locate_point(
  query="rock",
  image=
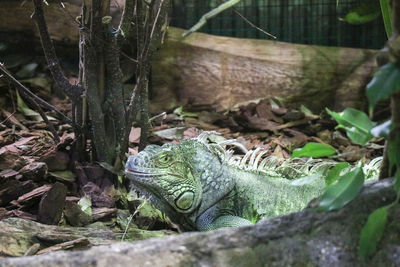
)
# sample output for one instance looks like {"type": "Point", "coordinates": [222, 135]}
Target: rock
{"type": "Point", "coordinates": [52, 204]}
{"type": "Point", "coordinates": [305, 238]}
{"type": "Point", "coordinates": [352, 153]}
{"type": "Point", "coordinates": [339, 140]}
{"type": "Point", "coordinates": [293, 115]}
{"type": "Point", "coordinates": [74, 214]}
{"type": "Point", "coordinates": [99, 199]}
{"type": "Point", "coordinates": [325, 136]}
{"type": "Point", "coordinates": [57, 161]}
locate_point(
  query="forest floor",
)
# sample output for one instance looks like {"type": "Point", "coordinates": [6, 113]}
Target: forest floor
{"type": "Point", "coordinates": [41, 180]}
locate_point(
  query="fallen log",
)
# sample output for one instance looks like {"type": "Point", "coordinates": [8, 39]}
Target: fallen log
{"type": "Point", "coordinates": [223, 72]}
{"type": "Point", "coordinates": [305, 238]}
{"type": "Point", "coordinates": [15, 17]}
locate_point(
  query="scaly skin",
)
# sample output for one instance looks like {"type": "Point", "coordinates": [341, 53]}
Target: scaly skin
{"type": "Point", "coordinates": [197, 189]}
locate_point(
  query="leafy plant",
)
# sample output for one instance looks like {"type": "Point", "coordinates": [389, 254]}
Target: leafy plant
{"type": "Point", "coordinates": [356, 124]}
{"type": "Point", "coordinates": [314, 150]}
{"type": "Point", "coordinates": [346, 189]}
{"type": "Point", "coordinates": [385, 82]}
{"type": "Point", "coordinates": [369, 11]}
{"type": "Point", "coordinates": [372, 232]}
{"type": "Point", "coordinates": [363, 13]}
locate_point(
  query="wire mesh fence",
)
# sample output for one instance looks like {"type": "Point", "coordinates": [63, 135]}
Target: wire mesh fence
{"type": "Point", "coordinates": [298, 21]}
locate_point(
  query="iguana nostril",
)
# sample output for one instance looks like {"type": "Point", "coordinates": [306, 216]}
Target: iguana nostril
{"type": "Point", "coordinates": [185, 200]}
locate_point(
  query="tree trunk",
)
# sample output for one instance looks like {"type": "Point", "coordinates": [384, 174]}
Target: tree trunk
{"type": "Point", "coordinates": [305, 238]}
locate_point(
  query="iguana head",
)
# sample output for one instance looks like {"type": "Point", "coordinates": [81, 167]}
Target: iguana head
{"type": "Point", "coordinates": [168, 175]}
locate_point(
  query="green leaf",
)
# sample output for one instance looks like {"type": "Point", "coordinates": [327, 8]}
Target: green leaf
{"type": "Point", "coordinates": [385, 82]}
{"type": "Point", "coordinates": [387, 16]}
{"type": "Point", "coordinates": [314, 150]}
{"type": "Point", "coordinates": [24, 109]}
{"type": "Point", "coordinates": [382, 130]}
{"type": "Point", "coordinates": [356, 123]}
{"type": "Point", "coordinates": [179, 111]}
{"type": "Point", "coordinates": [363, 13]}
{"type": "Point", "coordinates": [334, 173]}
{"type": "Point", "coordinates": [346, 189]}
{"type": "Point", "coordinates": [86, 204]}
{"type": "Point", "coordinates": [372, 232]}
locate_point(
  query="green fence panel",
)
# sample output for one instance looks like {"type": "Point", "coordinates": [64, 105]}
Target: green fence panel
{"type": "Point", "coordinates": [297, 21]}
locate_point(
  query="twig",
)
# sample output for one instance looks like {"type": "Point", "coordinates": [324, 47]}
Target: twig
{"type": "Point", "coordinates": [203, 20]}
{"type": "Point", "coordinates": [32, 98]}
{"type": "Point", "coordinates": [8, 117]}
{"type": "Point", "coordinates": [73, 91]}
{"type": "Point", "coordinates": [28, 94]}
{"type": "Point", "coordinates": [251, 24]}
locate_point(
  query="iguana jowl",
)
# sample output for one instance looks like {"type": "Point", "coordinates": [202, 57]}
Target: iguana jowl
{"type": "Point", "coordinates": [201, 187]}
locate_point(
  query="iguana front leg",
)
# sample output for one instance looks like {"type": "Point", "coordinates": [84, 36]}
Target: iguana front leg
{"type": "Point", "coordinates": [211, 220]}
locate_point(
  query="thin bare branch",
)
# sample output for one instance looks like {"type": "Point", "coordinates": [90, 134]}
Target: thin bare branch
{"type": "Point", "coordinates": [31, 98]}
{"type": "Point", "coordinates": [252, 24]}
{"type": "Point", "coordinates": [23, 90]}
{"type": "Point", "coordinates": [73, 91]}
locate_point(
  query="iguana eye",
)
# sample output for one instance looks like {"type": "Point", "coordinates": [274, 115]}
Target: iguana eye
{"type": "Point", "coordinates": [164, 158]}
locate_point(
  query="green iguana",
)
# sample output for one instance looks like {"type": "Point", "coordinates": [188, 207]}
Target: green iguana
{"type": "Point", "coordinates": [200, 186]}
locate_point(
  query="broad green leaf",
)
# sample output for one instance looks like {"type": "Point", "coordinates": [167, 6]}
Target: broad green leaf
{"type": "Point", "coordinates": [385, 82]}
{"type": "Point", "coordinates": [24, 109]}
{"type": "Point", "coordinates": [363, 13]}
{"type": "Point", "coordinates": [382, 130]}
{"type": "Point", "coordinates": [314, 150]}
{"type": "Point", "coordinates": [372, 232]}
{"type": "Point", "coordinates": [346, 189]}
{"type": "Point", "coordinates": [86, 204]}
{"type": "Point", "coordinates": [356, 123]}
{"type": "Point", "coordinates": [387, 16]}
{"type": "Point", "coordinates": [334, 172]}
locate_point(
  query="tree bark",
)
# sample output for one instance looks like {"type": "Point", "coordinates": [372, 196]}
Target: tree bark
{"type": "Point", "coordinates": [305, 238]}
{"type": "Point", "coordinates": [222, 72]}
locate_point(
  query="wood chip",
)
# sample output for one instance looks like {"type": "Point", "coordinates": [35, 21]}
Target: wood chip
{"type": "Point", "coordinates": [32, 249]}
{"type": "Point", "coordinates": [73, 244]}
{"type": "Point", "coordinates": [34, 194]}
{"type": "Point", "coordinates": [100, 213]}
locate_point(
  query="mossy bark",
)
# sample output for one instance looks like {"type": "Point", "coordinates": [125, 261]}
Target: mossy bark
{"type": "Point", "coordinates": [305, 238]}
